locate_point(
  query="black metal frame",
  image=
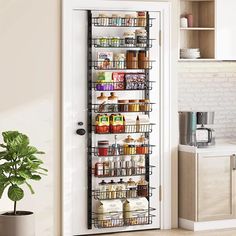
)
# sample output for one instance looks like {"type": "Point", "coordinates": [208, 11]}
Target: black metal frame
{"type": "Point", "coordinates": [91, 150]}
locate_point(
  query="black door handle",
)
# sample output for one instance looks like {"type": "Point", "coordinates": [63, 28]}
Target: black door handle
{"type": "Point", "coordinates": [81, 131]}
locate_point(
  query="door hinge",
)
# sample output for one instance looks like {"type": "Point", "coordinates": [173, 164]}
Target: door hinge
{"type": "Point", "coordinates": [160, 193]}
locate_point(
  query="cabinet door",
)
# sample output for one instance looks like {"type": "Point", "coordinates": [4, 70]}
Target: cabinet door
{"type": "Point", "coordinates": [215, 187]}
{"type": "Point", "coordinates": [225, 29]}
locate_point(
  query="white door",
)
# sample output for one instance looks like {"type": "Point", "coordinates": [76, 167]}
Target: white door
{"type": "Point", "coordinates": [225, 30]}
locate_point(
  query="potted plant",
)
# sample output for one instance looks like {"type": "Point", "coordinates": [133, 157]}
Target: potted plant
{"type": "Point", "coordinates": [19, 165]}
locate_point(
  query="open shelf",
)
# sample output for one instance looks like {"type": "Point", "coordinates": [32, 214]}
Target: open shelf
{"type": "Point", "coordinates": [201, 34]}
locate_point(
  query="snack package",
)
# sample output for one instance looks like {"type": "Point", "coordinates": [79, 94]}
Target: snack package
{"type": "Point", "coordinates": [119, 80]}
{"type": "Point", "coordinates": [135, 81]}
{"type": "Point", "coordinates": [105, 60]}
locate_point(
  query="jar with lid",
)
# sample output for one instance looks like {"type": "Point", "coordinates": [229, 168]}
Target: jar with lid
{"type": "Point", "coordinates": [129, 39]}
{"type": "Point", "coordinates": [144, 105]}
{"type": "Point", "coordinates": [131, 189]}
{"type": "Point", "coordinates": [133, 105]}
{"type": "Point", "coordinates": [113, 102]}
{"type": "Point", "coordinates": [143, 59]}
{"type": "Point", "coordinates": [129, 146]}
{"type": "Point", "coordinates": [115, 20]}
{"type": "Point", "coordinates": [101, 103]}
{"type": "Point", "coordinates": [130, 20]}
{"type": "Point", "coordinates": [119, 61]}
{"type": "Point", "coordinates": [121, 189]}
{"type": "Point", "coordinates": [142, 188]}
{"type": "Point", "coordinates": [128, 166]}
{"type": "Point", "coordinates": [103, 20]}
{"type": "Point", "coordinates": [123, 105]}
{"type": "Point", "coordinates": [103, 42]}
{"type": "Point", "coordinates": [142, 145]}
{"type": "Point", "coordinates": [99, 168]}
{"type": "Point", "coordinates": [111, 187]}
{"type": "Point", "coordinates": [117, 166]}
{"type": "Point", "coordinates": [134, 163]}
{"type": "Point", "coordinates": [111, 167]}
{"type": "Point", "coordinates": [132, 59]}
{"type": "Point", "coordinates": [141, 165]}
{"type": "Point", "coordinates": [102, 190]}
{"type": "Point", "coordinates": [103, 146]}
{"type": "Point", "coordinates": [141, 38]}
{"type": "Point", "coordinates": [141, 18]}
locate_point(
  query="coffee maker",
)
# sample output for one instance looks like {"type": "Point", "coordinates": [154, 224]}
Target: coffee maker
{"type": "Point", "coordinates": [195, 128]}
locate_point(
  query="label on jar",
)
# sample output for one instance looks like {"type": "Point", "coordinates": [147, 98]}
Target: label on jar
{"type": "Point", "coordinates": [129, 40]}
{"type": "Point", "coordinates": [141, 39]}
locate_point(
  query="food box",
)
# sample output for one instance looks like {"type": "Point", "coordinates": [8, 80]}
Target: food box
{"type": "Point", "coordinates": [135, 81]}
{"type": "Point", "coordinates": [119, 80]}
{"type": "Point", "coordinates": [102, 124]}
{"type": "Point", "coordinates": [110, 213]}
{"type": "Point", "coordinates": [104, 60]}
{"type": "Point", "coordinates": [136, 211]}
{"type": "Point", "coordinates": [116, 123]}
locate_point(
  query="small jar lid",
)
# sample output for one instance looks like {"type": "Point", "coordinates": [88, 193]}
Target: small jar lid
{"type": "Point", "coordinates": [129, 139]}
{"type": "Point", "coordinates": [123, 101]}
{"type": "Point", "coordinates": [134, 101]}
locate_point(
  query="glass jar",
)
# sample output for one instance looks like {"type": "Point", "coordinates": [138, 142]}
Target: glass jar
{"type": "Point", "coordinates": [112, 102]}
{"type": "Point", "coordinates": [144, 105]}
{"type": "Point", "coordinates": [142, 188]}
{"type": "Point", "coordinates": [121, 189]}
{"type": "Point", "coordinates": [141, 38]}
{"type": "Point", "coordinates": [141, 21]}
{"type": "Point", "coordinates": [111, 190]}
{"type": "Point", "coordinates": [133, 105]}
{"type": "Point", "coordinates": [103, 20]}
{"type": "Point", "coordinates": [129, 39]}
{"type": "Point", "coordinates": [132, 59]}
{"type": "Point", "coordinates": [116, 20]}
{"type": "Point", "coordinates": [102, 190]}
{"type": "Point", "coordinates": [119, 61]}
{"type": "Point", "coordinates": [131, 189]}
{"type": "Point", "coordinates": [129, 146]}
{"type": "Point", "coordinates": [115, 42]}
{"type": "Point", "coordinates": [103, 146]}
{"type": "Point", "coordinates": [143, 60]}
{"type": "Point", "coordinates": [101, 103]}
{"type": "Point", "coordinates": [142, 145]}
{"type": "Point", "coordinates": [123, 105]}
{"type": "Point", "coordinates": [129, 20]}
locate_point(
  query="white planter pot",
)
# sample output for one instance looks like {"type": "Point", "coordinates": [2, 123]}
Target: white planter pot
{"type": "Point", "coordinates": [19, 225]}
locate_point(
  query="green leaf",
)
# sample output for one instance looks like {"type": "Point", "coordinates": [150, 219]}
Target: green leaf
{"type": "Point", "coordinates": [36, 177]}
{"type": "Point", "coordinates": [9, 136]}
{"type": "Point", "coordinates": [40, 152]}
{"type": "Point", "coordinates": [30, 188]}
{"type": "Point", "coordinates": [25, 173]}
{"type": "Point", "coordinates": [15, 193]}
{"type": "Point", "coordinates": [2, 154]}
{"type": "Point", "coordinates": [43, 169]}
{"type": "Point", "coordinates": [17, 180]}
{"type": "Point", "coordinates": [2, 188]}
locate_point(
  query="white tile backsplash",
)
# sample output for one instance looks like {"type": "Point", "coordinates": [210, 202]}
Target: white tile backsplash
{"type": "Point", "coordinates": [213, 91]}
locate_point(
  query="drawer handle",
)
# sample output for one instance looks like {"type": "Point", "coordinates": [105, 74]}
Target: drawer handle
{"type": "Point", "coordinates": [234, 161]}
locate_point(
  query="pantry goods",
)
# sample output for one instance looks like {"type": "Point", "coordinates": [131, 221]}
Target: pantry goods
{"type": "Point", "coordinates": [104, 60]}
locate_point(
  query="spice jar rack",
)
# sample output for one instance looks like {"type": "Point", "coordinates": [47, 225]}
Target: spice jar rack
{"type": "Point", "coordinates": [139, 62]}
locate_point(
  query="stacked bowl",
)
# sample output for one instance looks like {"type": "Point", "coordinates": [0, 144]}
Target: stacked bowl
{"type": "Point", "coordinates": [189, 53]}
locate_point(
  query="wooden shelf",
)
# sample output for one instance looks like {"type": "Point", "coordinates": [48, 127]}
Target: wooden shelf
{"type": "Point", "coordinates": [197, 28]}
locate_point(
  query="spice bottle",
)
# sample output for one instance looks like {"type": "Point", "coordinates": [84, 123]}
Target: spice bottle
{"type": "Point", "coordinates": [142, 188]}
{"type": "Point", "coordinates": [111, 167]}
{"type": "Point", "coordinates": [138, 128]}
{"type": "Point", "coordinates": [103, 20]}
{"type": "Point", "coordinates": [115, 148]}
{"type": "Point", "coordinates": [99, 168]}
{"type": "Point", "coordinates": [102, 190]}
{"type": "Point", "coordinates": [131, 189]}
{"type": "Point", "coordinates": [106, 170]}
{"type": "Point", "coordinates": [117, 167]}
{"type": "Point", "coordinates": [135, 168]}
{"type": "Point", "coordinates": [128, 166]}
{"type": "Point", "coordinates": [121, 189]}
{"type": "Point", "coordinates": [111, 193]}
{"type": "Point", "coordinates": [144, 105]}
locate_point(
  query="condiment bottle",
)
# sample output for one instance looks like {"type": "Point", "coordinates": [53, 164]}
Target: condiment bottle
{"type": "Point", "coordinates": [99, 168]}
{"type": "Point", "coordinates": [141, 165]}
{"type": "Point", "coordinates": [142, 188]}
{"type": "Point", "coordinates": [111, 167]}
{"type": "Point", "coordinates": [117, 167]}
{"type": "Point", "coordinates": [115, 148]}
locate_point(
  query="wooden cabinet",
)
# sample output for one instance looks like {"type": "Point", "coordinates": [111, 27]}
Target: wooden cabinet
{"type": "Point", "coordinates": [226, 29]}
{"type": "Point", "coordinates": [207, 186]}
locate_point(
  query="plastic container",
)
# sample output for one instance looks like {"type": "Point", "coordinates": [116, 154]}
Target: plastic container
{"type": "Point", "coordinates": [142, 188]}
{"type": "Point", "coordinates": [103, 146]}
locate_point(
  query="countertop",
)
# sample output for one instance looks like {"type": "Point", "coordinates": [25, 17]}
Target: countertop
{"type": "Point", "coordinates": [220, 146]}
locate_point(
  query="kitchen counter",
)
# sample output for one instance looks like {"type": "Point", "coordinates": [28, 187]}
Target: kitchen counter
{"type": "Point", "coordinates": [221, 145]}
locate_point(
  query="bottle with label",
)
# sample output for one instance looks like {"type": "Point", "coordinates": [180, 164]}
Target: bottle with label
{"type": "Point", "coordinates": [117, 166]}
{"type": "Point", "coordinates": [138, 128]}
{"type": "Point", "coordinates": [106, 169]}
{"type": "Point", "coordinates": [111, 167]}
{"type": "Point", "coordinates": [141, 38]}
{"type": "Point", "coordinates": [102, 190]}
{"type": "Point", "coordinates": [141, 15]}
{"type": "Point", "coordinates": [135, 169]}
{"type": "Point", "coordinates": [129, 39]}
{"type": "Point", "coordinates": [99, 168]}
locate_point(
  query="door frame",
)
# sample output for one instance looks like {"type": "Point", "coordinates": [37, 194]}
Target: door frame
{"type": "Point", "coordinates": [166, 107]}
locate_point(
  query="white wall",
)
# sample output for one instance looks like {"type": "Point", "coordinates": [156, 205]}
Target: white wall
{"type": "Point", "coordinates": [29, 96]}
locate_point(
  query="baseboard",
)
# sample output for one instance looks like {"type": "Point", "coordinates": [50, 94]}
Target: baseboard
{"type": "Point", "coordinates": [206, 225]}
